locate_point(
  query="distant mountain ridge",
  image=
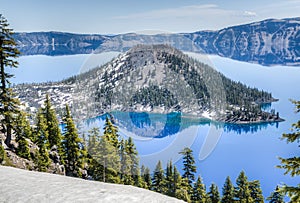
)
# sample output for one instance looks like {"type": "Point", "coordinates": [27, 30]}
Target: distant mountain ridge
{"type": "Point", "coordinates": [58, 43]}
{"type": "Point", "coordinates": [268, 42]}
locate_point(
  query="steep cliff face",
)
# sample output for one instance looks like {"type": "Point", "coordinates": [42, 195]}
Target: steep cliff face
{"type": "Point", "coordinates": [269, 42]}
{"type": "Point", "coordinates": [57, 43]}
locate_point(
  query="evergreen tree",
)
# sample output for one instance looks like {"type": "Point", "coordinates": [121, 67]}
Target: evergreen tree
{"type": "Point", "coordinates": [93, 141]}
{"type": "Point", "coordinates": [256, 192]}
{"type": "Point", "coordinates": [73, 154]}
{"type": "Point", "coordinates": [228, 191]}
{"type": "Point", "coordinates": [40, 131]}
{"type": "Point", "coordinates": [213, 194]}
{"type": "Point", "coordinates": [2, 154]}
{"type": "Point", "coordinates": [143, 168]}
{"type": "Point", "coordinates": [8, 103]}
{"type": "Point", "coordinates": [41, 158]}
{"type": "Point", "coordinates": [276, 196]}
{"type": "Point", "coordinates": [292, 164]}
{"type": "Point", "coordinates": [199, 192]}
{"type": "Point", "coordinates": [142, 182]}
{"type": "Point", "coordinates": [138, 180]}
{"type": "Point", "coordinates": [126, 163]}
{"type": "Point", "coordinates": [23, 128]}
{"type": "Point", "coordinates": [168, 183]}
{"type": "Point", "coordinates": [95, 169]}
{"type": "Point", "coordinates": [54, 133]}
{"type": "Point", "coordinates": [23, 148]}
{"type": "Point", "coordinates": [177, 180]}
{"type": "Point", "coordinates": [183, 191]}
{"type": "Point", "coordinates": [133, 154]}
{"type": "Point", "coordinates": [147, 177]}
{"type": "Point", "coordinates": [242, 191]}
{"type": "Point", "coordinates": [181, 186]}
{"type": "Point", "coordinates": [109, 158]}
{"type": "Point", "coordinates": [111, 132]}
{"type": "Point", "coordinates": [189, 165]}
{"type": "Point", "coordinates": [130, 171]}
{"type": "Point", "coordinates": [158, 178]}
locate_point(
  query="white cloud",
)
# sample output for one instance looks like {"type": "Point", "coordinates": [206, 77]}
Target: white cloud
{"type": "Point", "coordinates": [187, 18]}
{"type": "Point", "coordinates": [249, 14]}
{"type": "Point", "coordinates": [202, 17]}
{"type": "Point", "coordinates": [283, 9]}
{"type": "Point", "coordinates": [185, 11]}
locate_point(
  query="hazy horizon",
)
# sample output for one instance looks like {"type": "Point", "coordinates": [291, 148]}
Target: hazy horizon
{"type": "Point", "coordinates": [117, 17]}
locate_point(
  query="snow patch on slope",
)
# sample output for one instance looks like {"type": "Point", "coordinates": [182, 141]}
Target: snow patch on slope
{"type": "Point", "coordinates": [26, 186]}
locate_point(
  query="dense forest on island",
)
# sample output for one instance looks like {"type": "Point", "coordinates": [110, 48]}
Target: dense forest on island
{"type": "Point", "coordinates": [155, 78]}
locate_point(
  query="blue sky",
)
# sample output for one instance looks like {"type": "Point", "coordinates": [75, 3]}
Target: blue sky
{"type": "Point", "coordinates": [117, 16]}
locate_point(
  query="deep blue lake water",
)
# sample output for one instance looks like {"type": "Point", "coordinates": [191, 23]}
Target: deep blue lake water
{"type": "Point", "coordinates": [252, 148]}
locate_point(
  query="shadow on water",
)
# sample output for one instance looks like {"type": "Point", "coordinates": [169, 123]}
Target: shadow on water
{"type": "Point", "coordinates": [162, 125]}
{"type": "Point", "coordinates": [248, 128]}
{"type": "Point", "coordinates": [266, 106]}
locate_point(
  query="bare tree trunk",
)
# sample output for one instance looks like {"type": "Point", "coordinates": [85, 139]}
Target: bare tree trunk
{"type": "Point", "coordinates": [7, 129]}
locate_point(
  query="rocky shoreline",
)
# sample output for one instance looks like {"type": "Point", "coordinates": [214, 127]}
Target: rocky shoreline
{"type": "Point", "coordinates": [236, 121]}
{"type": "Point", "coordinates": [251, 118]}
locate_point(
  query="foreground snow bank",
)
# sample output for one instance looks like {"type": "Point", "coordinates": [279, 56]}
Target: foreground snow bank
{"type": "Point", "coordinates": [18, 185]}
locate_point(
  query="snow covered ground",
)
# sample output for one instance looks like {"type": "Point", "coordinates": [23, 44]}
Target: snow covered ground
{"type": "Point", "coordinates": [18, 185]}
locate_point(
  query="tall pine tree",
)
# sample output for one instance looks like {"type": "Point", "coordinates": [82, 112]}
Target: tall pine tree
{"type": "Point", "coordinates": [40, 130]}
{"type": "Point", "coordinates": [199, 191]}
{"type": "Point", "coordinates": [183, 191]}
{"type": "Point", "coordinates": [72, 147]}
{"type": "Point", "coordinates": [126, 164]}
{"type": "Point", "coordinates": [242, 191]}
{"type": "Point", "coordinates": [256, 192]}
{"type": "Point", "coordinates": [189, 165]}
{"type": "Point", "coordinates": [276, 196]}
{"type": "Point", "coordinates": [292, 164]}
{"type": "Point", "coordinates": [169, 184]}
{"type": "Point", "coordinates": [111, 132]}
{"type": "Point", "coordinates": [54, 133]}
{"type": "Point", "coordinates": [23, 130]}
{"type": "Point", "coordinates": [93, 141]}
{"type": "Point", "coordinates": [158, 178]}
{"type": "Point", "coordinates": [95, 168]}
{"type": "Point", "coordinates": [133, 155]}
{"type": "Point", "coordinates": [228, 191]}
{"type": "Point", "coordinates": [109, 158]}
{"type": "Point", "coordinates": [42, 156]}
{"type": "Point", "coordinates": [23, 148]}
{"type": "Point", "coordinates": [146, 177]}
{"type": "Point", "coordinates": [213, 194]}
{"type": "Point", "coordinates": [8, 103]}
{"type": "Point", "coordinates": [177, 180]}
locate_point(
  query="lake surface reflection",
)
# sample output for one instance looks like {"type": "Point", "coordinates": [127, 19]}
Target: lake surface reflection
{"type": "Point", "coordinates": [253, 148]}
